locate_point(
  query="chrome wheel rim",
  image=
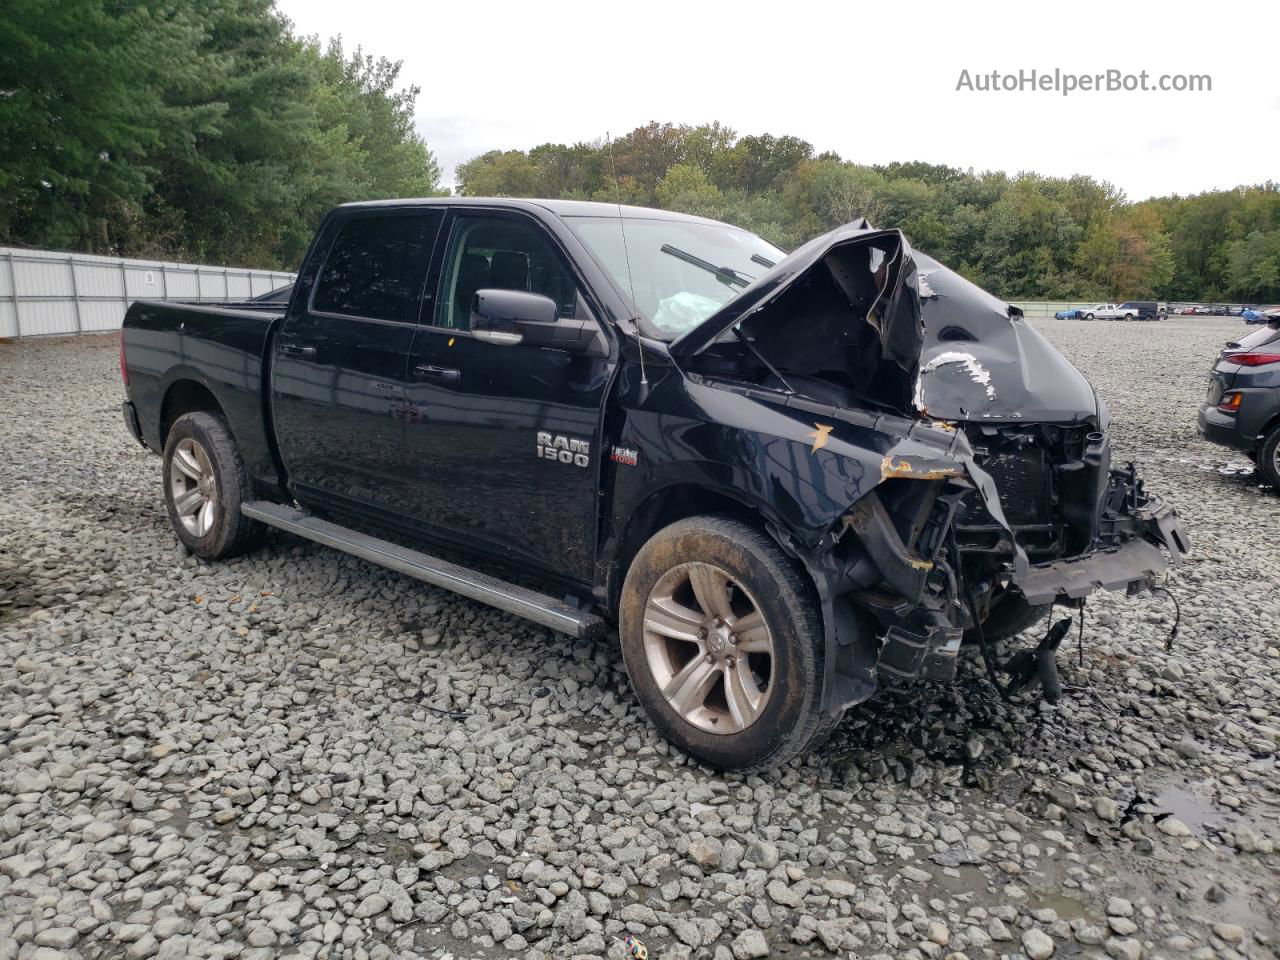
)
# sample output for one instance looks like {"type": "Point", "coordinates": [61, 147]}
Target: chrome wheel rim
{"type": "Point", "coordinates": [193, 488]}
{"type": "Point", "coordinates": [708, 648]}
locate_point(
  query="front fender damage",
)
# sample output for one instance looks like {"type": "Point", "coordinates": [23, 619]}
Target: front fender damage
{"type": "Point", "coordinates": [887, 576]}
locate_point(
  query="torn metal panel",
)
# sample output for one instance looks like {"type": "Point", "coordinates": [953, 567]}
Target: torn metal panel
{"type": "Point", "coordinates": [854, 291]}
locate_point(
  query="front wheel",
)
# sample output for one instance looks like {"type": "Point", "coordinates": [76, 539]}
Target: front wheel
{"type": "Point", "coordinates": [1088, 316]}
{"type": "Point", "coordinates": [204, 484]}
{"type": "Point", "coordinates": [723, 642]}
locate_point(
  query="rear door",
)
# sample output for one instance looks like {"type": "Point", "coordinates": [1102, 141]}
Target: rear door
{"type": "Point", "coordinates": [503, 443]}
{"type": "Point", "coordinates": [338, 372]}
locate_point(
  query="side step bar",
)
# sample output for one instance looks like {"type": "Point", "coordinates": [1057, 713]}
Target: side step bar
{"type": "Point", "coordinates": [540, 608]}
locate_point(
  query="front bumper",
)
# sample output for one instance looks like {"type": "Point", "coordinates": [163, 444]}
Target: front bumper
{"type": "Point", "coordinates": [1132, 563]}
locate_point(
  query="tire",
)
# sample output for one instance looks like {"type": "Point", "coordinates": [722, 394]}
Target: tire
{"type": "Point", "coordinates": [202, 467]}
{"type": "Point", "coordinates": [1010, 614]}
{"type": "Point", "coordinates": [1269, 457]}
{"type": "Point", "coordinates": [740, 572]}
{"type": "Point", "coordinates": [1088, 316]}
{"type": "Point", "coordinates": [1128, 317]}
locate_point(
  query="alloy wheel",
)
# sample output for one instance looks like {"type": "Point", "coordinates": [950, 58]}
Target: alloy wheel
{"type": "Point", "coordinates": [708, 648]}
{"type": "Point", "coordinates": [193, 487]}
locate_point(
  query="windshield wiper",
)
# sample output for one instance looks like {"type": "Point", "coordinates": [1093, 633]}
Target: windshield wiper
{"type": "Point", "coordinates": [763, 261]}
{"type": "Point", "coordinates": [723, 274]}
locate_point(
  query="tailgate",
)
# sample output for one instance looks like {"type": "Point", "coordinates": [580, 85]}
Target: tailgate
{"type": "Point", "coordinates": [1220, 380]}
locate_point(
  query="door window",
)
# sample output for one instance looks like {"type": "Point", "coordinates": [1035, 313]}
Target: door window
{"type": "Point", "coordinates": [376, 266]}
{"type": "Point", "coordinates": [499, 253]}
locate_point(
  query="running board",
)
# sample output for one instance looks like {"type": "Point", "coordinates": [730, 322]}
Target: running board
{"type": "Point", "coordinates": [540, 608]}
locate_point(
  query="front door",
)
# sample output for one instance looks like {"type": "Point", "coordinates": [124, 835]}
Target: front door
{"type": "Point", "coordinates": [503, 442]}
{"type": "Point", "coordinates": [338, 372]}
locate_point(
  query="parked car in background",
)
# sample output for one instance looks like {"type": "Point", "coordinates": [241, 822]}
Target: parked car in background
{"type": "Point", "coordinates": [1075, 314]}
{"type": "Point", "coordinates": [1242, 408]}
{"type": "Point", "coordinates": [1254, 315]}
{"type": "Point", "coordinates": [1145, 309]}
{"type": "Point", "coordinates": [1109, 311]}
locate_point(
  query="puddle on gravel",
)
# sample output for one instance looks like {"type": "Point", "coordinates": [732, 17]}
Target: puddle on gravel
{"type": "Point", "coordinates": [1191, 803]}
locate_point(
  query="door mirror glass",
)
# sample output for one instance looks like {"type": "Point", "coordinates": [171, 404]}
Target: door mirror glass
{"type": "Point", "coordinates": [511, 306]}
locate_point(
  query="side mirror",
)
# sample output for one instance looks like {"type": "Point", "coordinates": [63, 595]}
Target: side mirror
{"type": "Point", "coordinates": [513, 306]}
{"type": "Point", "coordinates": [510, 317]}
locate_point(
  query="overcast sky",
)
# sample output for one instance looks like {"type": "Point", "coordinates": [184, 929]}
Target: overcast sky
{"type": "Point", "coordinates": [875, 82]}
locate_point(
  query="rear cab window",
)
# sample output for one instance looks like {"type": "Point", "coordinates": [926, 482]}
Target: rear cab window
{"type": "Point", "coordinates": [377, 266]}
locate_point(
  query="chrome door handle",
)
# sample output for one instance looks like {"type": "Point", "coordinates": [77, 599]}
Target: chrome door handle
{"type": "Point", "coordinates": [425, 371]}
{"type": "Point", "coordinates": [293, 350]}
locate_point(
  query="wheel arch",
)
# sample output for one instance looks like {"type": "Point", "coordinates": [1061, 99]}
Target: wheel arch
{"type": "Point", "coordinates": [668, 505]}
{"type": "Point", "coordinates": [182, 396]}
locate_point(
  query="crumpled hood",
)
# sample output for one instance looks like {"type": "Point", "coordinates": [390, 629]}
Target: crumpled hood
{"type": "Point", "coordinates": [850, 256]}
{"type": "Point", "coordinates": [931, 341]}
{"type": "Point", "coordinates": [981, 361]}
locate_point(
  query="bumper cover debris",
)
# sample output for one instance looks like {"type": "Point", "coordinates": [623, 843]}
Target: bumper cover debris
{"type": "Point", "coordinates": [1132, 565]}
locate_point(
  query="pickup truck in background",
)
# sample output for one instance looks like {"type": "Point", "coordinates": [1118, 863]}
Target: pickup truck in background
{"type": "Point", "coordinates": [786, 479]}
{"type": "Point", "coordinates": [1108, 311]}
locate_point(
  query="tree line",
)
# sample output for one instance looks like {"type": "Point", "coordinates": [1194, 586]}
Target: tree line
{"type": "Point", "coordinates": [199, 130]}
{"type": "Point", "coordinates": [208, 130]}
{"type": "Point", "coordinates": [1023, 236]}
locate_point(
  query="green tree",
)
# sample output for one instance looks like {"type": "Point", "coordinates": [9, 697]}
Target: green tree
{"type": "Point", "coordinates": [498, 173]}
{"type": "Point", "coordinates": [82, 107]}
{"type": "Point", "coordinates": [1253, 267]}
{"type": "Point", "coordinates": [203, 130]}
{"type": "Point", "coordinates": [1126, 255]}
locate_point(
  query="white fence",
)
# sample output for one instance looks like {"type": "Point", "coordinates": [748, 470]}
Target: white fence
{"type": "Point", "coordinates": [43, 293]}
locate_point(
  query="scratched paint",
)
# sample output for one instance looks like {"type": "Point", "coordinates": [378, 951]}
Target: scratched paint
{"type": "Point", "coordinates": [977, 373]}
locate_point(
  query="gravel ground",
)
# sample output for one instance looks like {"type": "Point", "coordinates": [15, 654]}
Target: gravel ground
{"type": "Point", "coordinates": [296, 753]}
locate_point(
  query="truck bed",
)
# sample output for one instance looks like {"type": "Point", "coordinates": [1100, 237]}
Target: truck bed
{"type": "Point", "coordinates": [222, 349]}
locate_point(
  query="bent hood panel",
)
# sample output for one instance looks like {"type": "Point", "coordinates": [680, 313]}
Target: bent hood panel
{"type": "Point", "coordinates": [960, 353]}
{"type": "Point", "coordinates": [875, 269]}
{"type": "Point", "coordinates": [981, 361]}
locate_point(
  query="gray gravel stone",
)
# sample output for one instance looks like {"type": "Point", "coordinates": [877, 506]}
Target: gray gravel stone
{"type": "Point", "coordinates": [1037, 944]}
{"type": "Point", "coordinates": [750, 944]}
{"type": "Point", "coordinates": [296, 753]}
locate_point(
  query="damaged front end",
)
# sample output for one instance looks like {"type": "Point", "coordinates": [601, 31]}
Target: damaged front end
{"type": "Point", "coordinates": [995, 488]}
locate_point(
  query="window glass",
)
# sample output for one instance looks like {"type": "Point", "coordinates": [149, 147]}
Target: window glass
{"type": "Point", "coordinates": [499, 253]}
{"type": "Point", "coordinates": [679, 272]}
{"type": "Point", "coordinates": [376, 266]}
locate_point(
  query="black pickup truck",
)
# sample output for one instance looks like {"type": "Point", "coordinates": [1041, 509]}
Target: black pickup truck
{"type": "Point", "coordinates": [786, 478]}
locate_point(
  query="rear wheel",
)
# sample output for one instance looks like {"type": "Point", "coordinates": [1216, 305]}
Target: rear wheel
{"type": "Point", "coordinates": [723, 643]}
{"type": "Point", "coordinates": [1269, 457]}
{"type": "Point", "coordinates": [204, 484]}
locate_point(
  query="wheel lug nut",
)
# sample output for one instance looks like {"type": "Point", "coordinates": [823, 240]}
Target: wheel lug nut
{"type": "Point", "coordinates": [730, 662]}
{"type": "Point", "coordinates": [733, 638]}
{"type": "Point", "coordinates": [711, 658]}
